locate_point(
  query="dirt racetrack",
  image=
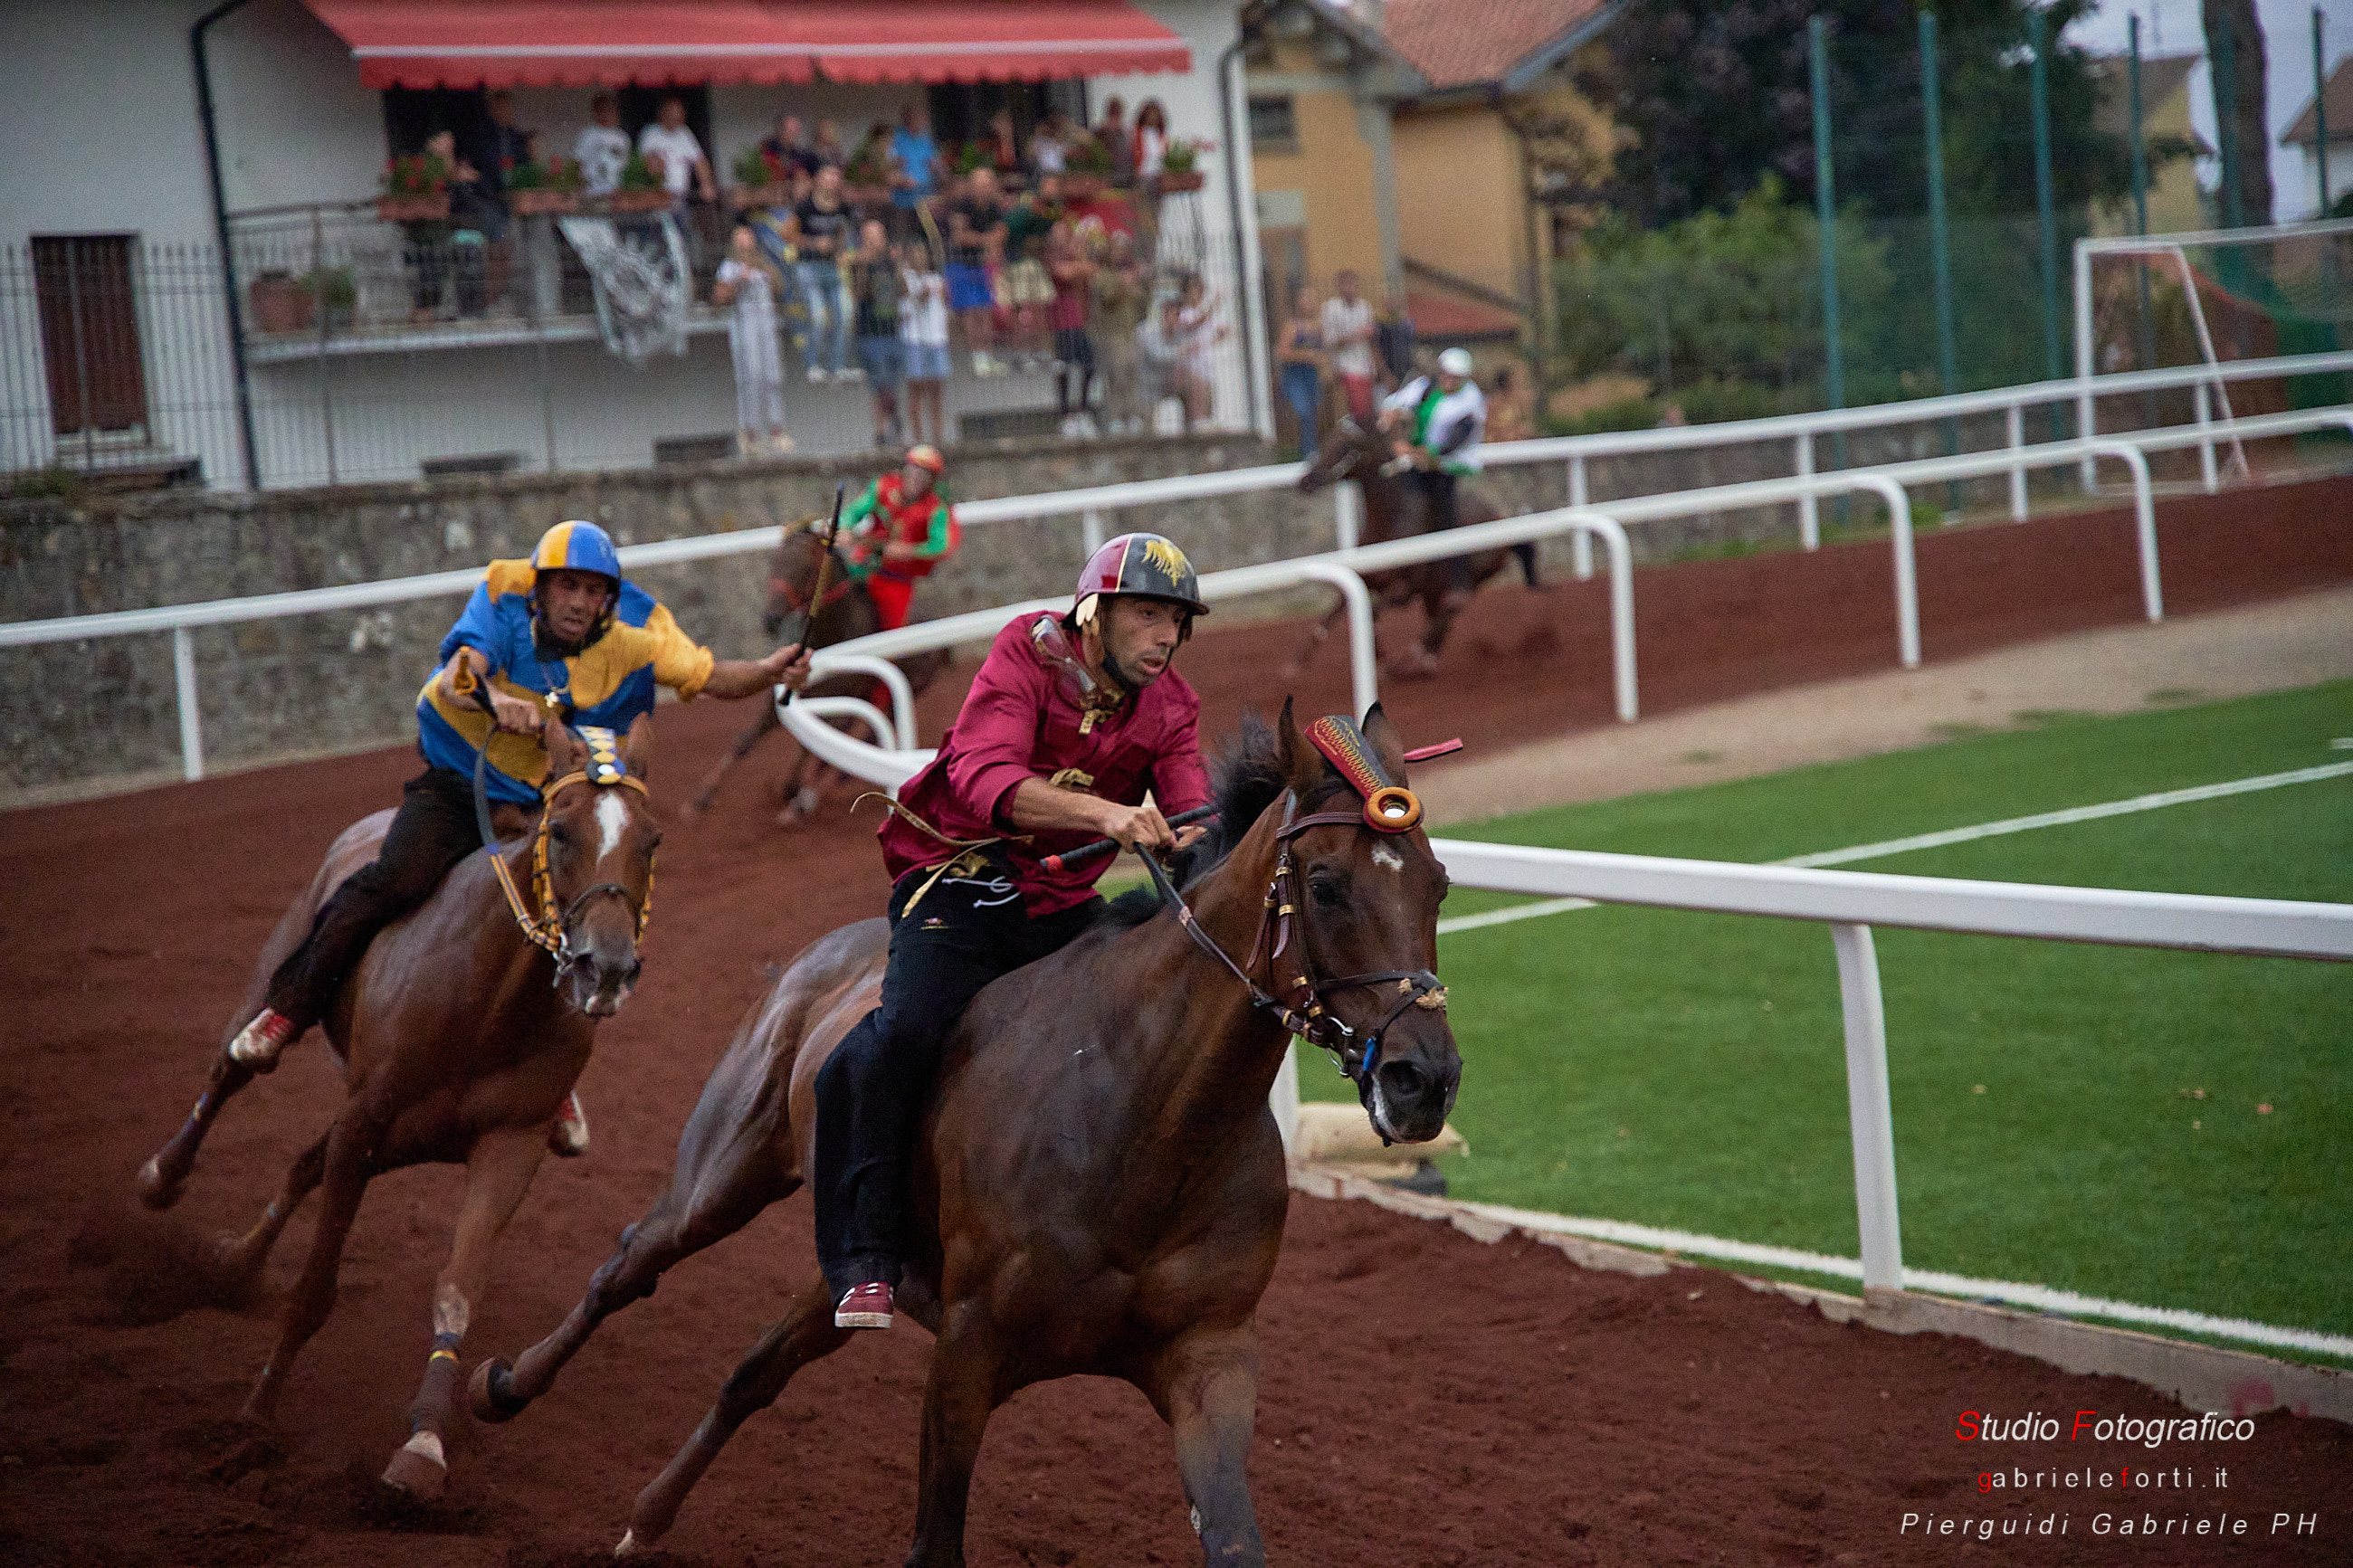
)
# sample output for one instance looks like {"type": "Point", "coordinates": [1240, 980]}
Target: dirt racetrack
{"type": "Point", "coordinates": [1426, 1399]}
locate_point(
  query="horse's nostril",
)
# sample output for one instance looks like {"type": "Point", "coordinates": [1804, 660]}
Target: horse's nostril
{"type": "Point", "coordinates": [1406, 1083]}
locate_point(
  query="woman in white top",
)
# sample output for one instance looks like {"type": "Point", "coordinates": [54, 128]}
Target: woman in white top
{"type": "Point", "coordinates": [750, 282]}
{"type": "Point", "coordinates": [1151, 139]}
{"type": "Point", "coordinates": [1196, 319]}
{"type": "Point", "coordinates": [924, 327]}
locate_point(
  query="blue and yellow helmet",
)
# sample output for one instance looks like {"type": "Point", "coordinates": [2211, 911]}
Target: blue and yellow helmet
{"type": "Point", "coordinates": [579, 547]}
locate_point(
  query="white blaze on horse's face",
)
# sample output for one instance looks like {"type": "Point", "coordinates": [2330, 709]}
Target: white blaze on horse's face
{"type": "Point", "coordinates": [612, 820]}
{"type": "Point", "coordinates": [1388, 858]}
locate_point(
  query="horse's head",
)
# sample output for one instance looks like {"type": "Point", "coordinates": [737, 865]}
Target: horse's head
{"type": "Point", "coordinates": [792, 575]}
{"type": "Point", "coordinates": [1365, 939]}
{"type": "Point", "coordinates": [595, 859]}
{"type": "Point", "coordinates": [1350, 452]}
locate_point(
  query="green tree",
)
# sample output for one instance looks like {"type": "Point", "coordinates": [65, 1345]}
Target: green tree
{"type": "Point", "coordinates": [1717, 97]}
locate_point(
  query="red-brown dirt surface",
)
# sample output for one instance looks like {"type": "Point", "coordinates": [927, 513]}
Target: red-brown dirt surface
{"type": "Point", "coordinates": [1426, 1399]}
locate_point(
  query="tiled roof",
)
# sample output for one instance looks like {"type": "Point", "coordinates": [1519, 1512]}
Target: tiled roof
{"type": "Point", "coordinates": [2306, 130]}
{"type": "Point", "coordinates": [1461, 43]}
{"type": "Point", "coordinates": [1442, 318]}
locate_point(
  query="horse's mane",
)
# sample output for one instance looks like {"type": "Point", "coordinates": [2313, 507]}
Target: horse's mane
{"type": "Point", "coordinates": [1245, 778]}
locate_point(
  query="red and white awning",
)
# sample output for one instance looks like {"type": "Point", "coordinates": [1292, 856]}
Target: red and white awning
{"type": "Point", "coordinates": [580, 43]}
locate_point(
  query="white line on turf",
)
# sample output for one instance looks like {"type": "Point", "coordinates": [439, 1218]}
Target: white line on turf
{"type": "Point", "coordinates": [1957, 836]}
{"type": "Point", "coordinates": [2039, 1298]}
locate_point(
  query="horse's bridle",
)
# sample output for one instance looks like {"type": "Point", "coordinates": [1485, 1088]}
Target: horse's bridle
{"type": "Point", "coordinates": [1299, 1003]}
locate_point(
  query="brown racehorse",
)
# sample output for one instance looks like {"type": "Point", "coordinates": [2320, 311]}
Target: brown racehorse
{"type": "Point", "coordinates": [843, 612]}
{"type": "Point", "coordinates": [1099, 1185]}
{"type": "Point", "coordinates": [1393, 510]}
{"type": "Point", "coordinates": [459, 1038]}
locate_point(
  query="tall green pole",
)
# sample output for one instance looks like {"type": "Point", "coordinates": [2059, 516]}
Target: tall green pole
{"type": "Point", "coordinates": [2226, 122]}
{"type": "Point", "coordinates": [2037, 38]}
{"type": "Point", "coordinates": [1826, 214]}
{"type": "Point", "coordinates": [1826, 206]}
{"type": "Point", "coordinates": [2140, 220]}
{"type": "Point", "coordinates": [1939, 239]}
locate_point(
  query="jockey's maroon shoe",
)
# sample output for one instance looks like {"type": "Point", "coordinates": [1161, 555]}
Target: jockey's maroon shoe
{"type": "Point", "coordinates": [865, 1306]}
{"type": "Point", "coordinates": [258, 1043]}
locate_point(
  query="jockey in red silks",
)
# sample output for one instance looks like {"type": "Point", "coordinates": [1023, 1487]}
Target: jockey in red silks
{"type": "Point", "coordinates": [562, 637]}
{"type": "Point", "coordinates": [1072, 719]}
{"type": "Point", "coordinates": [899, 529]}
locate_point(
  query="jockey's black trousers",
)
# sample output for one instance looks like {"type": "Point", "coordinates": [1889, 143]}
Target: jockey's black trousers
{"type": "Point", "coordinates": [967, 928]}
{"type": "Point", "coordinates": [432, 831]}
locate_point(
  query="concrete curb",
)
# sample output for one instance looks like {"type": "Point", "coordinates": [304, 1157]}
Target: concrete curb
{"type": "Point", "coordinates": [2201, 1377]}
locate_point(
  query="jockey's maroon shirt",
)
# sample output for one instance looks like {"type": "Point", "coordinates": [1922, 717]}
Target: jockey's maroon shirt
{"type": "Point", "coordinates": [1022, 720]}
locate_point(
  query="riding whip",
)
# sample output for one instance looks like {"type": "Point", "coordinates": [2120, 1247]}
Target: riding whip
{"type": "Point", "coordinates": [1086, 852]}
{"type": "Point", "coordinates": [824, 565]}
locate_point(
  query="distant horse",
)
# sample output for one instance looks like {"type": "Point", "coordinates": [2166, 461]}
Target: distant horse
{"type": "Point", "coordinates": [459, 1036]}
{"type": "Point", "coordinates": [1394, 509]}
{"type": "Point", "coordinates": [843, 611]}
{"type": "Point", "coordinates": [1098, 1183]}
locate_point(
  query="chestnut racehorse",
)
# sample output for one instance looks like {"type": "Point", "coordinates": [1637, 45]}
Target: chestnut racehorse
{"type": "Point", "coordinates": [1393, 510]}
{"type": "Point", "coordinates": [459, 1036]}
{"type": "Point", "coordinates": [1098, 1183]}
{"type": "Point", "coordinates": [843, 611]}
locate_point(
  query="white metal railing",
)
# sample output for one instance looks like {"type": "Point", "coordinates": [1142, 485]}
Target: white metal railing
{"type": "Point", "coordinates": [1343, 567]}
{"type": "Point", "coordinates": [1852, 903]}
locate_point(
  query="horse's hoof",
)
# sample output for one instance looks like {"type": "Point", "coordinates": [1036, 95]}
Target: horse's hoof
{"type": "Point", "coordinates": [155, 1191]}
{"type": "Point", "coordinates": [490, 1392]}
{"type": "Point", "coordinates": [418, 1468]}
{"type": "Point", "coordinates": [244, 1456]}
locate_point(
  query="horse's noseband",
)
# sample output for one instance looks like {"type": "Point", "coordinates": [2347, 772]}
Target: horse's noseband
{"type": "Point", "coordinates": [550, 928]}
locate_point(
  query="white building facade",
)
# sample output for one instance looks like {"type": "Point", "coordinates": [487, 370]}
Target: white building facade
{"type": "Point", "coordinates": [116, 346]}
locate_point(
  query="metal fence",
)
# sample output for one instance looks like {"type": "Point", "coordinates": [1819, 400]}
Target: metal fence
{"type": "Point", "coordinates": [372, 354]}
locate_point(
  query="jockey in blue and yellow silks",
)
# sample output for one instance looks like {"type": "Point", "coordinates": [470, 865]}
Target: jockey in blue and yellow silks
{"type": "Point", "coordinates": [560, 636]}
{"type": "Point", "coordinates": [607, 680]}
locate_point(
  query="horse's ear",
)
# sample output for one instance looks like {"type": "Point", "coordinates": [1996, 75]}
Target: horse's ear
{"type": "Point", "coordinates": [1303, 765]}
{"type": "Point", "coordinates": [565, 752]}
{"type": "Point", "coordinates": [638, 750]}
{"type": "Point", "coordinates": [1387, 744]}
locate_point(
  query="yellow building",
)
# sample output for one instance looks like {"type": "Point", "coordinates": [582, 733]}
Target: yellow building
{"type": "Point", "coordinates": [1434, 147]}
{"type": "Point", "coordinates": [2176, 204]}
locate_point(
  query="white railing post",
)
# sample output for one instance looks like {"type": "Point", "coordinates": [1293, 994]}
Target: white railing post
{"type": "Point", "coordinates": [1869, 1116]}
{"type": "Point", "coordinates": [1091, 529]}
{"type": "Point", "coordinates": [1364, 667]}
{"type": "Point", "coordinates": [1283, 1097]}
{"type": "Point", "coordinates": [2206, 441]}
{"type": "Point", "coordinates": [1907, 582]}
{"type": "Point", "coordinates": [1348, 513]}
{"type": "Point", "coordinates": [1580, 543]}
{"type": "Point", "coordinates": [2084, 413]}
{"type": "Point", "coordinates": [1622, 610]}
{"type": "Point", "coordinates": [1809, 521]}
{"type": "Point", "coordinates": [192, 729]}
{"type": "Point", "coordinates": [2152, 587]}
{"type": "Point", "coordinates": [2014, 421]}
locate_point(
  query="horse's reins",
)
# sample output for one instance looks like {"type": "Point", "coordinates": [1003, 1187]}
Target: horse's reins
{"type": "Point", "coordinates": [1388, 808]}
{"type": "Point", "coordinates": [550, 928]}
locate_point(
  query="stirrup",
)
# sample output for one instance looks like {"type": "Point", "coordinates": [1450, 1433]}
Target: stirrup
{"type": "Point", "coordinates": [258, 1045]}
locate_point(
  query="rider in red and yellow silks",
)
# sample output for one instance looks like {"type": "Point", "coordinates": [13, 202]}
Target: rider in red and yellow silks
{"type": "Point", "coordinates": [899, 529]}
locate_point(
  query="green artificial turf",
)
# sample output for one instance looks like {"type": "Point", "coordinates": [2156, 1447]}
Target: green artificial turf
{"type": "Point", "coordinates": [1686, 1070]}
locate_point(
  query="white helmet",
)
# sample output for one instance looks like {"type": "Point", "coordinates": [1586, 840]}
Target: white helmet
{"type": "Point", "coordinates": [1454, 361]}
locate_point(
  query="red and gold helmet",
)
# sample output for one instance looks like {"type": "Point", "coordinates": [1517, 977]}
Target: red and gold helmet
{"type": "Point", "coordinates": [1145, 566]}
{"type": "Point", "coordinates": [926, 456]}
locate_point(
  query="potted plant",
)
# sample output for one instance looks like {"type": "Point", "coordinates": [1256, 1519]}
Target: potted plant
{"type": "Point", "coordinates": [1179, 168]}
{"type": "Point", "coordinates": [760, 182]}
{"type": "Point", "coordinates": [334, 290]}
{"type": "Point", "coordinates": [416, 190]}
{"type": "Point", "coordinates": [278, 303]}
{"type": "Point", "coordinates": [553, 186]}
{"type": "Point", "coordinates": [1089, 172]}
{"type": "Point", "coordinates": [641, 190]}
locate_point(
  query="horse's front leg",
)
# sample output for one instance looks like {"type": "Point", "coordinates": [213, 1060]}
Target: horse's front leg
{"type": "Point", "coordinates": [754, 734]}
{"type": "Point", "coordinates": [1205, 1386]}
{"type": "Point", "coordinates": [498, 1173]}
{"type": "Point", "coordinates": [958, 1400]}
{"type": "Point", "coordinates": [349, 1161]}
{"type": "Point", "coordinates": [804, 1334]}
